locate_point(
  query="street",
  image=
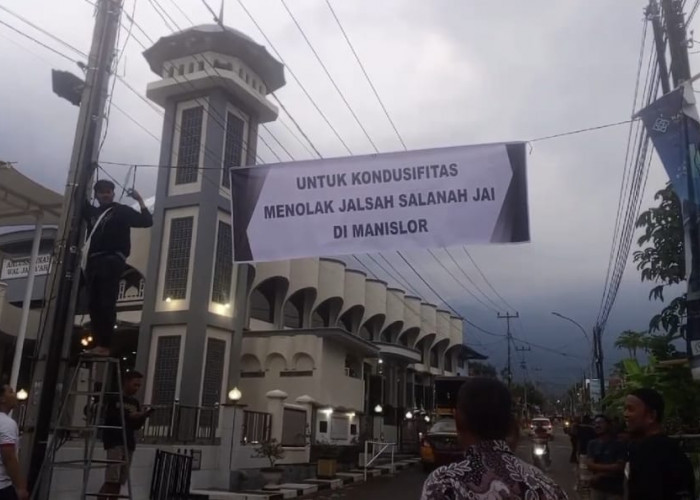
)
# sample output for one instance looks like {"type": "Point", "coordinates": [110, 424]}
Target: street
{"type": "Point", "coordinates": [407, 484]}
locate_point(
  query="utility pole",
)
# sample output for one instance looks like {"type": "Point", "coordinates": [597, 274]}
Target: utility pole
{"type": "Point", "coordinates": [598, 355]}
{"type": "Point", "coordinates": [507, 316]}
{"type": "Point", "coordinates": [57, 331]}
{"type": "Point", "coordinates": [523, 365]}
{"type": "Point", "coordinates": [680, 72]}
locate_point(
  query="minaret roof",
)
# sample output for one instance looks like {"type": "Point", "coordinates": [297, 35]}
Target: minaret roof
{"type": "Point", "coordinates": [221, 39]}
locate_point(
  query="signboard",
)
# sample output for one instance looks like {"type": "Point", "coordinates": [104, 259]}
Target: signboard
{"type": "Point", "coordinates": [363, 204]}
{"type": "Point", "coordinates": [19, 268]}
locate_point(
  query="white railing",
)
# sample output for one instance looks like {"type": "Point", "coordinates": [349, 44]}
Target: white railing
{"type": "Point", "coordinates": [374, 449]}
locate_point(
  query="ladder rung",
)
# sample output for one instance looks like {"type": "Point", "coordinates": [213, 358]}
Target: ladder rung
{"type": "Point", "coordinates": [107, 495]}
{"type": "Point", "coordinates": [87, 428]}
{"type": "Point", "coordinates": [82, 464]}
{"type": "Point", "coordinates": [93, 358]}
{"type": "Point", "coordinates": [92, 393]}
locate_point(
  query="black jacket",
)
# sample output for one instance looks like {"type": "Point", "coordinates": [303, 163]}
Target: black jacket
{"type": "Point", "coordinates": [113, 235]}
{"type": "Point", "coordinates": [659, 470]}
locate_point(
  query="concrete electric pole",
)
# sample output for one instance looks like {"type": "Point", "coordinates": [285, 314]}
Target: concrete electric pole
{"type": "Point", "coordinates": [509, 337]}
{"type": "Point", "coordinates": [57, 329]}
{"type": "Point", "coordinates": [674, 21]}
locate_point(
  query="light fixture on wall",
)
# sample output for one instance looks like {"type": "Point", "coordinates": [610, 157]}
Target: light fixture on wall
{"type": "Point", "coordinates": [409, 415]}
{"type": "Point", "coordinates": [427, 418]}
{"type": "Point", "coordinates": [327, 411]}
{"type": "Point", "coordinates": [351, 414]}
{"type": "Point", "coordinates": [378, 409]}
{"type": "Point", "coordinates": [381, 361]}
{"type": "Point", "coordinates": [22, 395]}
{"type": "Point", "coordinates": [235, 394]}
{"type": "Point", "coordinates": [168, 299]}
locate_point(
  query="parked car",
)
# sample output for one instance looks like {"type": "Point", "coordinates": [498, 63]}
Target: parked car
{"type": "Point", "coordinates": [545, 422]}
{"type": "Point", "coordinates": [440, 446]}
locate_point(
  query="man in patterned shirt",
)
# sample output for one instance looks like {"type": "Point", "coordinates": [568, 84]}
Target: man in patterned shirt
{"type": "Point", "coordinates": [490, 470]}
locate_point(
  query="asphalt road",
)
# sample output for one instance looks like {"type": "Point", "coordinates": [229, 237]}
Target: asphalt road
{"type": "Point", "coordinates": [408, 484]}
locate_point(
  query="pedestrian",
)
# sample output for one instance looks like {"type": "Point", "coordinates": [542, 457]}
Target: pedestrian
{"type": "Point", "coordinates": [584, 435]}
{"type": "Point", "coordinates": [117, 474]}
{"type": "Point", "coordinates": [657, 468]}
{"type": "Point", "coordinates": [490, 469]}
{"type": "Point", "coordinates": [13, 485]}
{"type": "Point", "coordinates": [573, 430]}
{"type": "Point", "coordinates": [606, 457]}
{"type": "Point", "coordinates": [104, 257]}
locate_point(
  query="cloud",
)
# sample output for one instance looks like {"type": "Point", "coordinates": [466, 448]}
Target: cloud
{"type": "Point", "coordinates": [450, 73]}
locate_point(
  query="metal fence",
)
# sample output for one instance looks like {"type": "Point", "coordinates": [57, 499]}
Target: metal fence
{"type": "Point", "coordinates": [178, 423]}
{"type": "Point", "coordinates": [172, 475]}
{"type": "Point", "coordinates": [256, 427]}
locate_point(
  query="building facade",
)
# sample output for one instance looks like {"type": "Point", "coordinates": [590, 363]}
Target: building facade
{"type": "Point", "coordinates": [324, 353]}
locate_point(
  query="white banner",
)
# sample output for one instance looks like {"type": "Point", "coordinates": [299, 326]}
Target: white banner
{"type": "Point", "coordinates": [19, 268]}
{"type": "Point", "coordinates": [364, 204]}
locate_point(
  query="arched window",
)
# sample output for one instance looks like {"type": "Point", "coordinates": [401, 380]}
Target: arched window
{"type": "Point", "coordinates": [448, 363]}
{"type": "Point", "coordinates": [434, 358]}
{"type": "Point", "coordinates": [262, 303]}
{"type": "Point", "coordinates": [365, 333]}
{"type": "Point", "coordinates": [346, 320]}
{"type": "Point", "coordinates": [294, 311]}
{"type": "Point", "coordinates": [322, 315]}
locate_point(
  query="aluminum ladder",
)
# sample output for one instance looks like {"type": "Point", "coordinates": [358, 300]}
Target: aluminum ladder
{"type": "Point", "coordinates": [104, 376]}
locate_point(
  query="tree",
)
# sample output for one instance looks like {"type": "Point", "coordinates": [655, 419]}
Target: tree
{"type": "Point", "coordinates": [534, 396]}
{"type": "Point", "coordinates": [632, 341]}
{"type": "Point", "coordinates": [662, 259]}
{"type": "Point", "coordinates": [477, 369]}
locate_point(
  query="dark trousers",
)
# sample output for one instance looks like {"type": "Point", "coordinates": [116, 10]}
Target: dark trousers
{"type": "Point", "coordinates": [8, 493]}
{"type": "Point", "coordinates": [102, 276]}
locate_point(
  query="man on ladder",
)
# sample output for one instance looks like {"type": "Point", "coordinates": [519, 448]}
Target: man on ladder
{"type": "Point", "coordinates": [106, 249]}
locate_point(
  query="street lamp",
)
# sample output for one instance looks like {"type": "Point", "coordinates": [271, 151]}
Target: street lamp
{"type": "Point", "coordinates": [583, 330]}
{"type": "Point", "coordinates": [409, 415]}
{"type": "Point", "coordinates": [597, 350]}
{"type": "Point", "coordinates": [234, 395]}
{"type": "Point", "coordinates": [22, 395]}
{"type": "Point", "coordinates": [378, 409]}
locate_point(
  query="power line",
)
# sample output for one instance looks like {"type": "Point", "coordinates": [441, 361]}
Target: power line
{"type": "Point", "coordinates": [483, 276]}
{"type": "Point", "coordinates": [582, 130]}
{"type": "Point", "coordinates": [487, 306]}
{"type": "Point", "coordinates": [74, 61]}
{"type": "Point", "coordinates": [364, 71]}
{"type": "Point", "coordinates": [330, 77]}
{"type": "Point", "coordinates": [289, 69]}
{"type": "Point", "coordinates": [53, 37]}
{"type": "Point", "coordinates": [464, 273]}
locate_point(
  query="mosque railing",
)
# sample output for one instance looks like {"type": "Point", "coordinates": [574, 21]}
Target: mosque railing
{"type": "Point", "coordinates": [182, 424]}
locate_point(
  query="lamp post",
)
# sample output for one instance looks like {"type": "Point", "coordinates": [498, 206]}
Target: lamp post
{"type": "Point", "coordinates": [597, 351]}
{"type": "Point", "coordinates": [234, 395]}
{"type": "Point", "coordinates": [585, 334]}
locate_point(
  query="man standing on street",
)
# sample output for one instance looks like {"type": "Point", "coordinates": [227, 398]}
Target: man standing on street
{"type": "Point", "coordinates": [606, 458]}
{"type": "Point", "coordinates": [490, 470]}
{"type": "Point", "coordinates": [107, 247]}
{"type": "Point", "coordinates": [13, 486]}
{"type": "Point", "coordinates": [117, 474]}
{"type": "Point", "coordinates": [657, 468]}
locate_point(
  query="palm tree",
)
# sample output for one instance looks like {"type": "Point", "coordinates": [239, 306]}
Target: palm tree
{"type": "Point", "coordinates": [631, 341]}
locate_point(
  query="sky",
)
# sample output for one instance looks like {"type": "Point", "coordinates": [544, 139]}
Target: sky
{"type": "Point", "coordinates": [450, 73]}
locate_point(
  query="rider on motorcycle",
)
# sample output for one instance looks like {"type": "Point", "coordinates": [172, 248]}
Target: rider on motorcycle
{"type": "Point", "coordinates": [541, 437]}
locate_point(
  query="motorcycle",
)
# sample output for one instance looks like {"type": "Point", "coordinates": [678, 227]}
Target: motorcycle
{"type": "Point", "coordinates": [540, 454]}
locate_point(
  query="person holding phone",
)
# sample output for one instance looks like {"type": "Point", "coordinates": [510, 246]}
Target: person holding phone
{"type": "Point", "coordinates": [117, 474]}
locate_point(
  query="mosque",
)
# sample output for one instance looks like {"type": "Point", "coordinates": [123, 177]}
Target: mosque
{"type": "Point", "coordinates": [325, 353]}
